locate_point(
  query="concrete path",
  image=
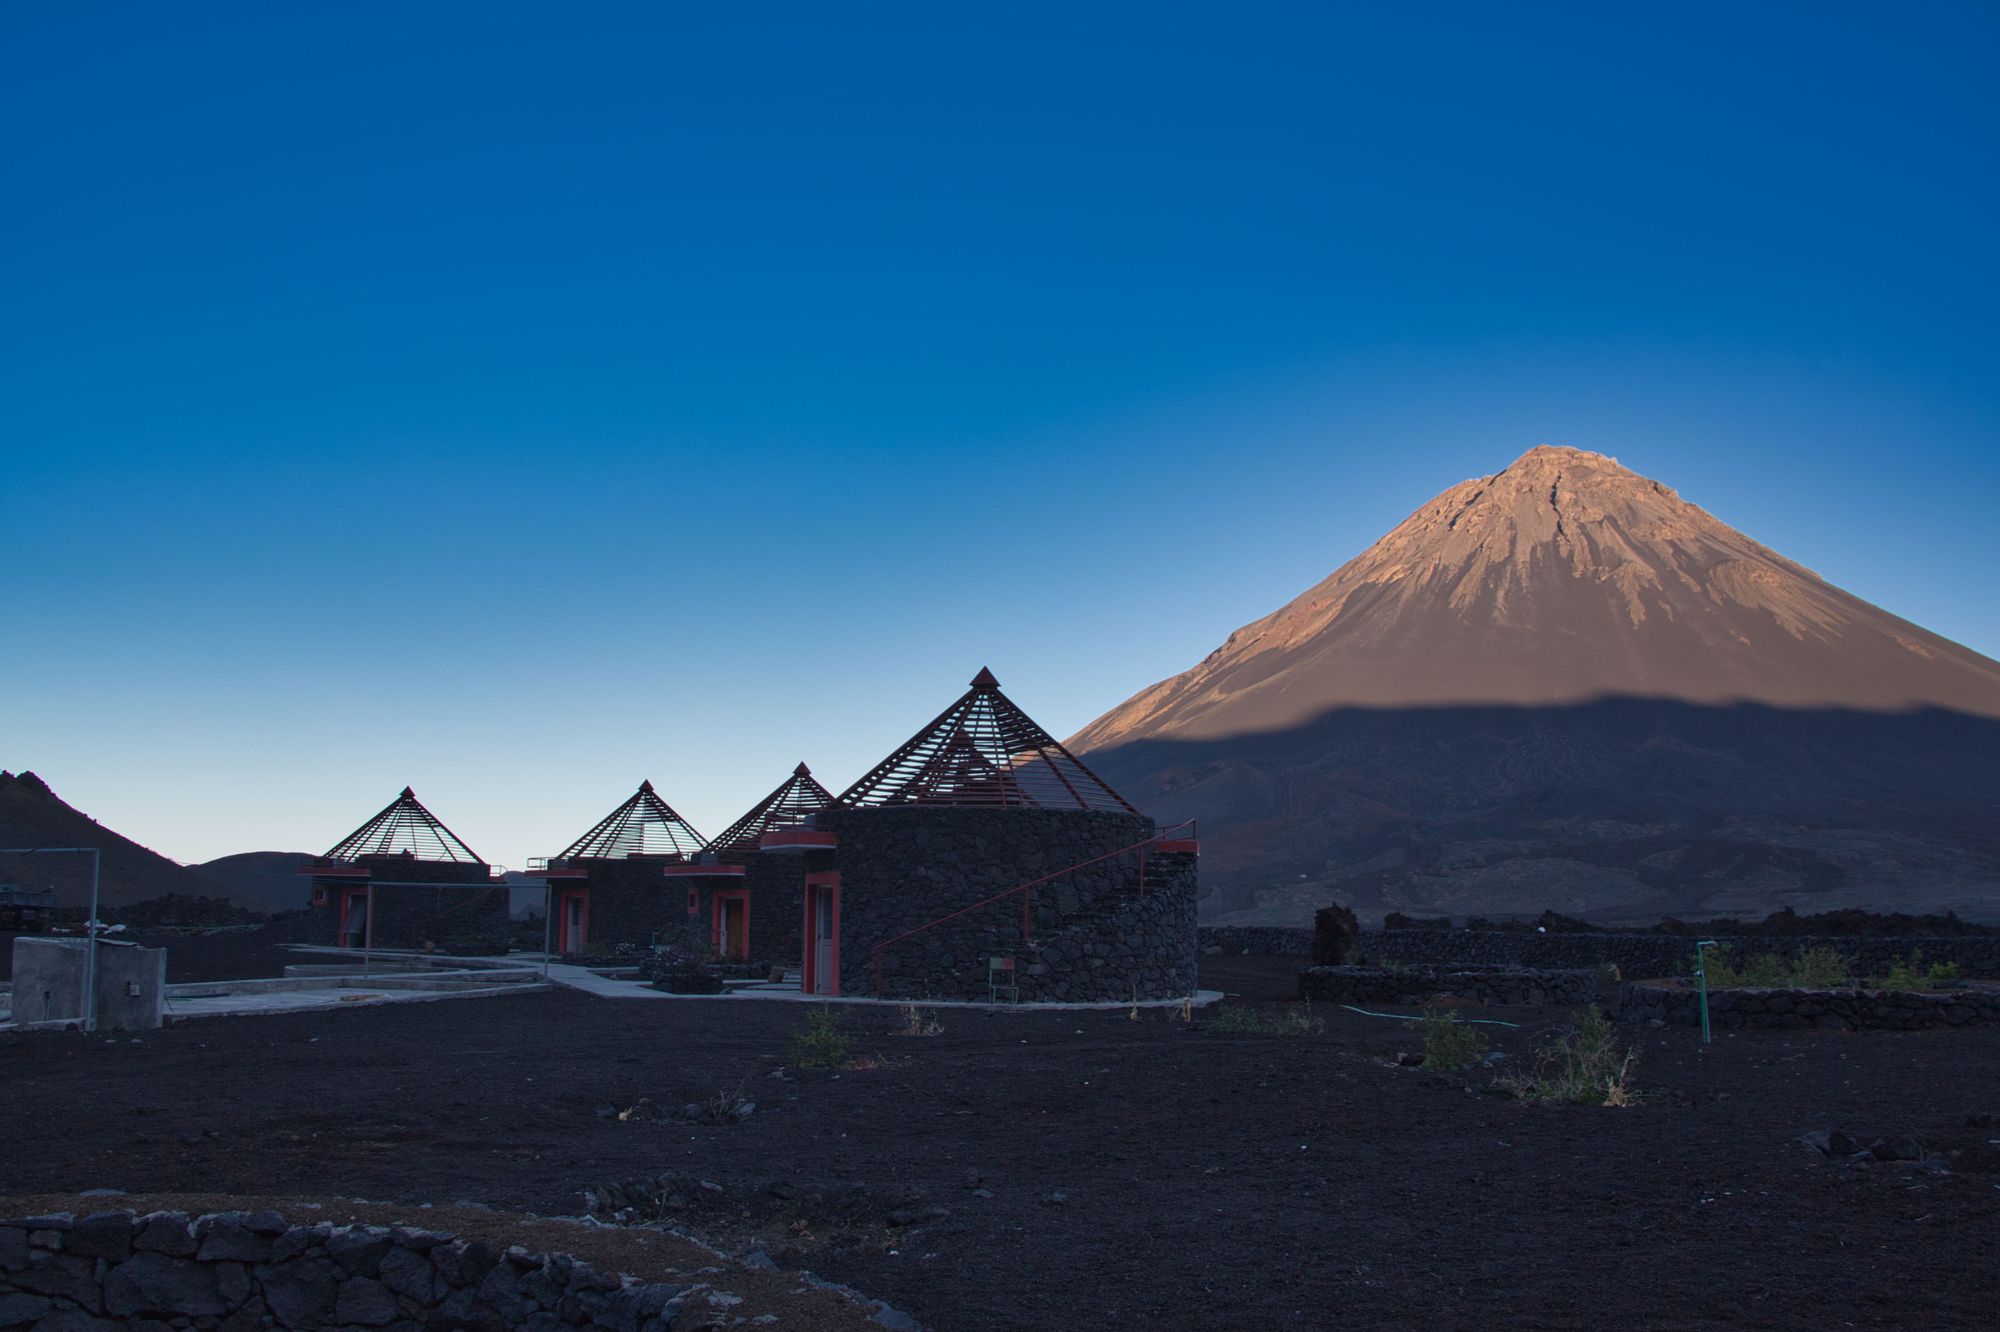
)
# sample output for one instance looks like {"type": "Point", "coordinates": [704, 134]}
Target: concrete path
{"type": "Point", "coordinates": [574, 977]}
{"type": "Point", "coordinates": [293, 1001]}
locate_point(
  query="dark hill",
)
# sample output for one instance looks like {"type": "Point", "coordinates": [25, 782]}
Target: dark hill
{"type": "Point", "coordinates": [33, 815]}
{"type": "Point", "coordinates": [261, 880]}
{"type": "Point", "coordinates": [1563, 686]}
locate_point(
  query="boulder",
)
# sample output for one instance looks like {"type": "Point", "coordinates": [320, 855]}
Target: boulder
{"type": "Point", "coordinates": [365, 1303]}
{"type": "Point", "coordinates": [108, 1235]}
{"type": "Point", "coordinates": [155, 1283]}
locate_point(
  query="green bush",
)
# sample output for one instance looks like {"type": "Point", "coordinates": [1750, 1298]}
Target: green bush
{"type": "Point", "coordinates": [1820, 969]}
{"type": "Point", "coordinates": [823, 1044]}
{"type": "Point", "coordinates": [1581, 1066]}
{"type": "Point", "coordinates": [1813, 969]}
{"type": "Point", "coordinates": [1910, 973]}
{"type": "Point", "coordinates": [1450, 1042]}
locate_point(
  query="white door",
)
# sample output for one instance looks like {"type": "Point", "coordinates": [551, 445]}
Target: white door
{"type": "Point", "coordinates": [573, 928]}
{"type": "Point", "coordinates": [356, 923]}
{"type": "Point", "coordinates": [825, 966]}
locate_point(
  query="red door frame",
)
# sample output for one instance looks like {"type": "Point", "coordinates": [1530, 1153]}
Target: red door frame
{"type": "Point", "coordinates": [816, 884]}
{"type": "Point", "coordinates": [347, 898]}
{"type": "Point", "coordinates": [564, 944]}
{"type": "Point", "coordinates": [718, 939]}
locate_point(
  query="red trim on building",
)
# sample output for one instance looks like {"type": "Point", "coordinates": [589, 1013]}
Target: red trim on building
{"type": "Point", "coordinates": [827, 883]}
{"type": "Point", "coordinates": [565, 944]}
{"type": "Point", "coordinates": [718, 919]}
{"type": "Point", "coordinates": [798, 839]}
{"type": "Point", "coordinates": [341, 936]}
{"type": "Point", "coordinates": [704, 871]}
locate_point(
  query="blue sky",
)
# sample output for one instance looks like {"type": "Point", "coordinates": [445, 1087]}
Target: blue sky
{"type": "Point", "coordinates": [521, 401]}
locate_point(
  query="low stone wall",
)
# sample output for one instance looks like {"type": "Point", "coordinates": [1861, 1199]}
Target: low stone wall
{"type": "Point", "coordinates": [1377, 985]}
{"type": "Point", "coordinates": [1272, 940]}
{"type": "Point", "coordinates": [1636, 955]}
{"type": "Point", "coordinates": [1841, 1010]}
{"type": "Point", "coordinates": [244, 1270]}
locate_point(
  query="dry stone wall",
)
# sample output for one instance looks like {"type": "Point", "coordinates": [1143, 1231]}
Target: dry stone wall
{"type": "Point", "coordinates": [1635, 955]}
{"type": "Point", "coordinates": [1377, 985]}
{"type": "Point", "coordinates": [237, 1271]}
{"type": "Point", "coordinates": [1842, 1010]}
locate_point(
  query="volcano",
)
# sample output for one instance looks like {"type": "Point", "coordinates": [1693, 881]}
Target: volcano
{"type": "Point", "coordinates": [1565, 686]}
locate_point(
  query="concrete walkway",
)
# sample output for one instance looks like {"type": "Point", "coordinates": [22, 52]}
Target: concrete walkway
{"type": "Point", "coordinates": [294, 1001]}
{"type": "Point", "coordinates": [573, 977]}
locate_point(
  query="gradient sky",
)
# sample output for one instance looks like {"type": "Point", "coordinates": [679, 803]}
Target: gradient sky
{"type": "Point", "coordinates": [521, 401]}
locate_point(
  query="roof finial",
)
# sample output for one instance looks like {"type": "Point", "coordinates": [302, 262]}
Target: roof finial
{"type": "Point", "coordinates": [985, 680]}
{"type": "Point", "coordinates": [408, 794]}
{"type": "Point", "coordinates": [646, 785]}
{"type": "Point", "coordinates": [802, 770]}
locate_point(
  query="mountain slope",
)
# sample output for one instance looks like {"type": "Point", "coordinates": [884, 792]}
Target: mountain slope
{"type": "Point", "coordinates": [1463, 697]}
{"type": "Point", "coordinates": [33, 815]}
{"type": "Point", "coordinates": [1561, 579]}
{"type": "Point", "coordinates": [261, 880]}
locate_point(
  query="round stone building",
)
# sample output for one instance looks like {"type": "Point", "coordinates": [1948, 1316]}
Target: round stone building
{"type": "Point", "coordinates": [983, 860]}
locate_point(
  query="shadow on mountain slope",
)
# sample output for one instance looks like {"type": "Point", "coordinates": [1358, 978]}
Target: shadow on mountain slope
{"type": "Point", "coordinates": [1623, 809]}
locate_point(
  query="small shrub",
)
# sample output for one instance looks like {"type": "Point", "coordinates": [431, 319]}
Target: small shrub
{"type": "Point", "coordinates": [1236, 1021]}
{"type": "Point", "coordinates": [1910, 973]}
{"type": "Point", "coordinates": [823, 1044]}
{"type": "Point", "coordinates": [1760, 971]}
{"type": "Point", "coordinates": [917, 1023]}
{"type": "Point", "coordinates": [1820, 969]}
{"type": "Point", "coordinates": [1581, 1066]}
{"type": "Point", "coordinates": [1450, 1042]}
{"type": "Point", "coordinates": [1813, 969]}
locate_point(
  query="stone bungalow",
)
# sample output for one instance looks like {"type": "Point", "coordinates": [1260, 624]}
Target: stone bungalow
{"type": "Point", "coordinates": [982, 850]}
{"type": "Point", "coordinates": [609, 887]}
{"type": "Point", "coordinates": [403, 880]}
{"type": "Point", "coordinates": [744, 904]}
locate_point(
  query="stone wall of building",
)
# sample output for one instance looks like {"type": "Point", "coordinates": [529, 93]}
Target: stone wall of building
{"type": "Point", "coordinates": [1414, 985]}
{"type": "Point", "coordinates": [1094, 936]}
{"type": "Point", "coordinates": [1636, 955]}
{"type": "Point", "coordinates": [776, 884]}
{"type": "Point", "coordinates": [238, 1271]}
{"type": "Point", "coordinates": [777, 906]}
{"type": "Point", "coordinates": [1843, 1010]}
{"type": "Point", "coordinates": [408, 912]}
{"type": "Point", "coordinates": [631, 904]}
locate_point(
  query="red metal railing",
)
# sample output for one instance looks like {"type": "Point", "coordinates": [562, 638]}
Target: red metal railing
{"type": "Point", "coordinates": [1186, 828]}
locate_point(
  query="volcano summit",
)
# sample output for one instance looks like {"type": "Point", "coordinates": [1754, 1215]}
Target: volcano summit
{"type": "Point", "coordinates": [1564, 686]}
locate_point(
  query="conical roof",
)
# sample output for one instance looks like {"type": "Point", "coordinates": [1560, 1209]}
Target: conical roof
{"type": "Point", "coordinates": [984, 751]}
{"type": "Point", "coordinates": [645, 825]}
{"type": "Point", "coordinates": [792, 805]}
{"type": "Point", "coordinates": [404, 827]}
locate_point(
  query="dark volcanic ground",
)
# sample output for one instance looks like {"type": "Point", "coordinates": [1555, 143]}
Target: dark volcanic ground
{"type": "Point", "coordinates": [1210, 1181]}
